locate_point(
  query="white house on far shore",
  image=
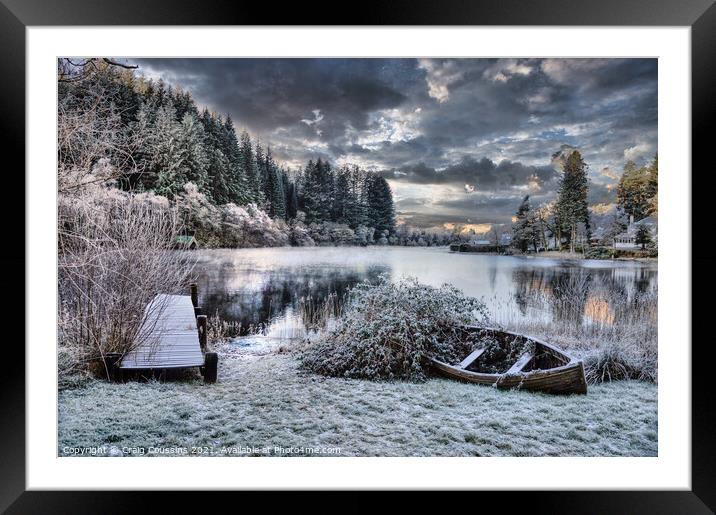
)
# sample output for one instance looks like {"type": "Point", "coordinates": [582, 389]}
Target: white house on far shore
{"type": "Point", "coordinates": [627, 239]}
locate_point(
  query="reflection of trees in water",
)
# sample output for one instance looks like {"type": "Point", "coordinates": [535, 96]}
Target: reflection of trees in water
{"type": "Point", "coordinates": [492, 275]}
{"type": "Point", "coordinates": [573, 293]}
{"type": "Point", "coordinates": [280, 289]}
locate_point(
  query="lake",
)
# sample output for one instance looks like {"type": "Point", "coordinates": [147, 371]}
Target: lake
{"type": "Point", "coordinates": [261, 288]}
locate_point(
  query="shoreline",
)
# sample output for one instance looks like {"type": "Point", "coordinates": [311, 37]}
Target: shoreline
{"type": "Point", "coordinates": [556, 254]}
{"type": "Point", "coordinates": [548, 254]}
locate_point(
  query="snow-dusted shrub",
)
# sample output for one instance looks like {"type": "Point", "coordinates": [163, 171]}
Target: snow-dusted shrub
{"type": "Point", "coordinates": [342, 234]}
{"type": "Point", "coordinates": [299, 235]}
{"type": "Point", "coordinates": [93, 145]}
{"type": "Point", "coordinates": [387, 330]}
{"type": "Point", "coordinates": [614, 360]}
{"type": "Point", "coordinates": [364, 235]}
{"type": "Point", "coordinates": [229, 225]}
{"type": "Point", "coordinates": [200, 216]}
{"type": "Point", "coordinates": [319, 234]}
{"type": "Point", "coordinates": [113, 258]}
{"type": "Point", "coordinates": [332, 233]}
{"type": "Point", "coordinates": [263, 231]}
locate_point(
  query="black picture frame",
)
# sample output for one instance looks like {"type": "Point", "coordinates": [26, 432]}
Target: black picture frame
{"type": "Point", "coordinates": [700, 15]}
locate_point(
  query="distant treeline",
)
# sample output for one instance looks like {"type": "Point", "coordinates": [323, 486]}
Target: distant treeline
{"type": "Point", "coordinates": [168, 142]}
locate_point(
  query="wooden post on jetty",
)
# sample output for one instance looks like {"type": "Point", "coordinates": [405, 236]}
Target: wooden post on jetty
{"type": "Point", "coordinates": [195, 299]}
{"type": "Point", "coordinates": [211, 359]}
{"type": "Point", "coordinates": [112, 362]}
{"type": "Point", "coordinates": [202, 327]}
{"type": "Point", "coordinates": [194, 294]}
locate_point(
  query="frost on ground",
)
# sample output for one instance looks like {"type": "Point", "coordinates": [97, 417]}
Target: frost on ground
{"type": "Point", "coordinates": [263, 401]}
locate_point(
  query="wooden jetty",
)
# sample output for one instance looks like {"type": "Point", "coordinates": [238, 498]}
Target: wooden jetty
{"type": "Point", "coordinates": [172, 336]}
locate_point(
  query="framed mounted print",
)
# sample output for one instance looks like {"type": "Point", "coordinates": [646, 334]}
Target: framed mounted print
{"type": "Point", "coordinates": [434, 253]}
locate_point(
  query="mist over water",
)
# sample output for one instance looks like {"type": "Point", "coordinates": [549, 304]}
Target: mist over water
{"type": "Point", "coordinates": [261, 288]}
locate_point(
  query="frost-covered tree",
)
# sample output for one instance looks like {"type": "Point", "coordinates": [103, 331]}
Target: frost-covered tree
{"type": "Point", "coordinates": [571, 207]}
{"type": "Point", "coordinates": [190, 143]}
{"type": "Point", "coordinates": [218, 163]}
{"type": "Point", "coordinates": [344, 198]}
{"type": "Point", "coordinates": [643, 237]}
{"type": "Point", "coordinates": [381, 210]}
{"type": "Point", "coordinates": [240, 192]}
{"type": "Point", "coordinates": [167, 163]}
{"type": "Point", "coordinates": [262, 176]}
{"type": "Point", "coordinates": [272, 185]}
{"type": "Point", "coordinates": [291, 198]}
{"type": "Point", "coordinates": [316, 191]}
{"type": "Point", "coordinates": [637, 192]}
{"type": "Point", "coordinates": [249, 169]}
{"type": "Point", "coordinates": [525, 230]}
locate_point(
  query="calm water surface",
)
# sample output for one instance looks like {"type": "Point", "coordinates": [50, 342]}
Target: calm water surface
{"type": "Point", "coordinates": [262, 287]}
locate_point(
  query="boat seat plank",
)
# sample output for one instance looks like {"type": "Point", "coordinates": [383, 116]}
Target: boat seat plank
{"type": "Point", "coordinates": [471, 358]}
{"type": "Point", "coordinates": [520, 364]}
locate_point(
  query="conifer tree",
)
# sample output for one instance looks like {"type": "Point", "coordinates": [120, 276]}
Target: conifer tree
{"type": "Point", "coordinates": [166, 163]}
{"type": "Point", "coordinates": [278, 195]}
{"type": "Point", "coordinates": [192, 153]}
{"type": "Point", "coordinates": [218, 164]}
{"type": "Point", "coordinates": [571, 207]}
{"type": "Point", "coordinates": [261, 175]}
{"type": "Point", "coordinates": [291, 198]}
{"type": "Point", "coordinates": [343, 197]}
{"type": "Point", "coordinates": [310, 192]}
{"type": "Point", "coordinates": [381, 211]}
{"type": "Point", "coordinates": [525, 230]}
{"type": "Point", "coordinates": [248, 166]}
{"type": "Point", "coordinates": [238, 182]}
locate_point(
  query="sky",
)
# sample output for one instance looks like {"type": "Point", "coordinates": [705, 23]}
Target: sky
{"type": "Point", "coordinates": [459, 140]}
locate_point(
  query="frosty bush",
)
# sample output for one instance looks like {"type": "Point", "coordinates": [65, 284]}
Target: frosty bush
{"type": "Point", "coordinates": [614, 360]}
{"type": "Point", "coordinates": [387, 330]}
{"type": "Point", "coordinates": [113, 258]}
{"type": "Point", "coordinates": [298, 232]}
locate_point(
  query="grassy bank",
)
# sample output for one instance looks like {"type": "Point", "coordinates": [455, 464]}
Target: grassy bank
{"type": "Point", "coordinates": [263, 399]}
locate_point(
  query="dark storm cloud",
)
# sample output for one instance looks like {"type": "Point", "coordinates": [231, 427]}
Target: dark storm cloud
{"type": "Point", "coordinates": [269, 94]}
{"type": "Point", "coordinates": [435, 125]}
{"type": "Point", "coordinates": [482, 174]}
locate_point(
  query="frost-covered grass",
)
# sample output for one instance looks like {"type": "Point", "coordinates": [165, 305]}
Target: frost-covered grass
{"type": "Point", "coordinates": [263, 399]}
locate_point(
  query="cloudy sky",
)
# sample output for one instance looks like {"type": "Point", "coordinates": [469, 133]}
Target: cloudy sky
{"type": "Point", "coordinates": [460, 140]}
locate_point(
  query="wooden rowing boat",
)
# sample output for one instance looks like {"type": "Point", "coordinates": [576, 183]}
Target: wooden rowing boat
{"type": "Point", "coordinates": [543, 368]}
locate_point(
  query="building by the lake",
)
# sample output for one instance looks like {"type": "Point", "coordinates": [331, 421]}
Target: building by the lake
{"type": "Point", "coordinates": [627, 239]}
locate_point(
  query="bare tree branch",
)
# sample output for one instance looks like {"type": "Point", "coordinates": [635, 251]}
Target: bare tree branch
{"type": "Point", "coordinates": [112, 62]}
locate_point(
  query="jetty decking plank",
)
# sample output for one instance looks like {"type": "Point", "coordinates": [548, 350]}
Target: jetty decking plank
{"type": "Point", "coordinates": [168, 334]}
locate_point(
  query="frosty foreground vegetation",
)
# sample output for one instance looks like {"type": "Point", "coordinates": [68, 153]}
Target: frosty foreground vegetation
{"type": "Point", "coordinates": [267, 400]}
{"type": "Point", "coordinates": [388, 329]}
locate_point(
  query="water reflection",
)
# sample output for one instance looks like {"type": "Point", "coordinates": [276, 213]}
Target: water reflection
{"type": "Point", "coordinates": [263, 288]}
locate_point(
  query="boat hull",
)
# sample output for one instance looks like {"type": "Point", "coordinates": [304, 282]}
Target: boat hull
{"type": "Point", "coordinates": [566, 378]}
